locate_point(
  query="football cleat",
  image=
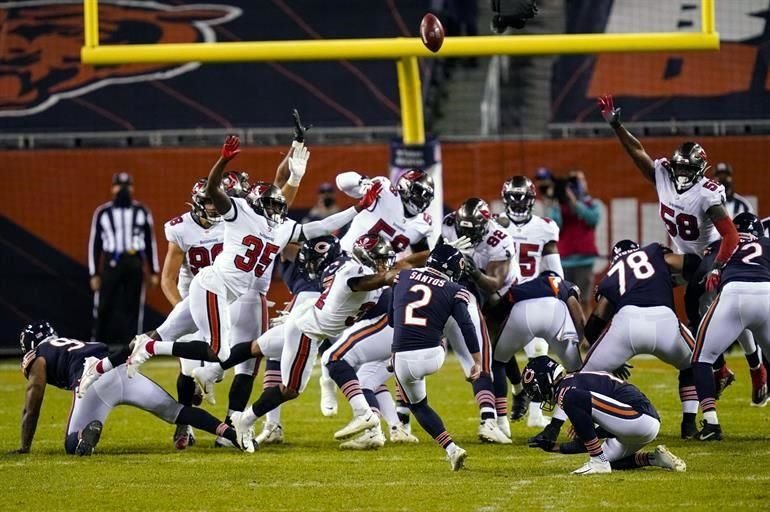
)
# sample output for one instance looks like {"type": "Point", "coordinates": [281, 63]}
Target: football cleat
{"type": "Point", "coordinates": [504, 425]}
{"type": "Point", "coordinates": [549, 433]}
{"type": "Point", "coordinates": [457, 458]}
{"type": "Point", "coordinates": [536, 418]}
{"type": "Point", "coordinates": [723, 378]}
{"type": "Point", "coordinates": [369, 439]}
{"type": "Point", "coordinates": [205, 377]}
{"type": "Point", "coordinates": [90, 375]}
{"type": "Point", "coordinates": [759, 396]}
{"type": "Point", "coordinates": [709, 432]}
{"type": "Point", "coordinates": [272, 433]}
{"type": "Point", "coordinates": [223, 442]}
{"type": "Point", "coordinates": [594, 466]}
{"type": "Point", "coordinates": [489, 432]}
{"type": "Point", "coordinates": [358, 424]}
{"type": "Point", "coordinates": [183, 437]}
{"type": "Point", "coordinates": [244, 431]}
{"type": "Point", "coordinates": [399, 434]}
{"type": "Point", "coordinates": [689, 429]}
{"type": "Point", "coordinates": [139, 354]}
{"type": "Point", "coordinates": [663, 458]}
{"type": "Point", "coordinates": [520, 406]}
{"type": "Point", "coordinates": [328, 397]}
{"type": "Point", "coordinates": [89, 438]}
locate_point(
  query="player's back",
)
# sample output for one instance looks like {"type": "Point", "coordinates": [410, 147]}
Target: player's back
{"type": "Point", "coordinates": [201, 246]}
{"type": "Point", "coordinates": [750, 261]}
{"type": "Point", "coordinates": [423, 300]}
{"type": "Point", "coordinates": [296, 279]}
{"type": "Point", "coordinates": [641, 278]}
{"type": "Point", "coordinates": [605, 385]}
{"type": "Point", "coordinates": [64, 359]}
{"type": "Point", "coordinates": [547, 284]}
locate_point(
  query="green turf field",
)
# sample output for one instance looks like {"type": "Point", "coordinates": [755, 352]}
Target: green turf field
{"type": "Point", "coordinates": [137, 468]}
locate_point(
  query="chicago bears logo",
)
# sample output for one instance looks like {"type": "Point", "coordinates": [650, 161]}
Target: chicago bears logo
{"type": "Point", "coordinates": [40, 63]}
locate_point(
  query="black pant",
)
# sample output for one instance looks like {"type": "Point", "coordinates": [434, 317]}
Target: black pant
{"type": "Point", "coordinates": [120, 298]}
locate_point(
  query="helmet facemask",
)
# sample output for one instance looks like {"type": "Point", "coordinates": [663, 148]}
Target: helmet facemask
{"type": "Point", "coordinates": [416, 191]}
{"type": "Point", "coordinates": [687, 166]}
{"type": "Point", "coordinates": [518, 205]}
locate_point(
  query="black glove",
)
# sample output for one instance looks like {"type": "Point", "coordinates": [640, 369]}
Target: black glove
{"type": "Point", "coordinates": [624, 372]}
{"type": "Point", "coordinates": [471, 270]}
{"type": "Point", "coordinates": [542, 442]}
{"type": "Point", "coordinates": [299, 128]}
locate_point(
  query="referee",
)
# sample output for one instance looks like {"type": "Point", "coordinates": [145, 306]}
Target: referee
{"type": "Point", "coordinates": [121, 240]}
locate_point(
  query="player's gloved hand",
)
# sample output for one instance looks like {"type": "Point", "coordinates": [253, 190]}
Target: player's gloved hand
{"type": "Point", "coordinates": [461, 244]}
{"type": "Point", "coordinates": [713, 279]}
{"type": "Point", "coordinates": [231, 147]}
{"type": "Point", "coordinates": [370, 197]}
{"type": "Point", "coordinates": [543, 442]}
{"type": "Point", "coordinates": [280, 319]}
{"type": "Point", "coordinates": [471, 269]}
{"type": "Point", "coordinates": [610, 113]}
{"type": "Point", "coordinates": [298, 165]}
{"type": "Point", "coordinates": [299, 128]}
{"type": "Point", "coordinates": [623, 372]}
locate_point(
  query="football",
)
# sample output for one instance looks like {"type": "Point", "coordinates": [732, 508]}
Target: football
{"type": "Point", "coordinates": [431, 32]}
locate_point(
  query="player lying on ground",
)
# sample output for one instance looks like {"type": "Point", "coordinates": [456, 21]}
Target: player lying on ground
{"type": "Point", "coordinates": [625, 416]}
{"type": "Point", "coordinates": [51, 359]}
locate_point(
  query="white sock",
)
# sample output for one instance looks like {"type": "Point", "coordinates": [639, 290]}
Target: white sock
{"type": "Point", "coordinates": [690, 406]}
{"type": "Point", "coordinates": [450, 448]}
{"type": "Point", "coordinates": [359, 405]}
{"type": "Point", "coordinates": [249, 417]}
{"type": "Point", "coordinates": [162, 348]}
{"type": "Point", "coordinates": [534, 410]}
{"type": "Point", "coordinates": [601, 458]}
{"type": "Point", "coordinates": [388, 408]}
{"type": "Point", "coordinates": [274, 416]}
{"type": "Point", "coordinates": [711, 417]}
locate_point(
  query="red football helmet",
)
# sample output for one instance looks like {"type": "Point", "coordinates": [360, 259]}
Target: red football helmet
{"type": "Point", "coordinates": [236, 183]}
{"type": "Point", "coordinates": [200, 200]}
{"type": "Point", "coordinates": [374, 251]}
{"type": "Point", "coordinates": [268, 201]}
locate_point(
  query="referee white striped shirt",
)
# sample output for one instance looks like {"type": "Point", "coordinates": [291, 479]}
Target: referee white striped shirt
{"type": "Point", "coordinates": [737, 204]}
{"type": "Point", "coordinates": [121, 230]}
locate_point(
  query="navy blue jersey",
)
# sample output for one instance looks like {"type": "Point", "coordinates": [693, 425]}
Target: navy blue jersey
{"type": "Point", "coordinates": [641, 278]}
{"type": "Point", "coordinates": [64, 359]}
{"type": "Point", "coordinates": [422, 302]}
{"type": "Point", "coordinates": [381, 308]}
{"type": "Point", "coordinates": [297, 280]}
{"type": "Point", "coordinates": [547, 284]}
{"type": "Point", "coordinates": [749, 262]}
{"type": "Point", "coordinates": [606, 385]}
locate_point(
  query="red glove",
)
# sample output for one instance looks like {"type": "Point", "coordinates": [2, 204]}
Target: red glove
{"type": "Point", "coordinates": [231, 147]}
{"type": "Point", "coordinates": [609, 112]}
{"type": "Point", "coordinates": [370, 196]}
{"type": "Point", "coordinates": [713, 279]}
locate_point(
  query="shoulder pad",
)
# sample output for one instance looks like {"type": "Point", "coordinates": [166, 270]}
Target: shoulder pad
{"type": "Point", "coordinates": [502, 219]}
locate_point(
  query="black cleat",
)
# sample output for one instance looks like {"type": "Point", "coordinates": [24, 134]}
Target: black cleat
{"type": "Point", "coordinates": [573, 446]}
{"type": "Point", "coordinates": [549, 433]}
{"type": "Point", "coordinates": [89, 438]}
{"type": "Point", "coordinates": [709, 432]}
{"type": "Point", "coordinates": [689, 429]}
{"type": "Point", "coordinates": [520, 406]}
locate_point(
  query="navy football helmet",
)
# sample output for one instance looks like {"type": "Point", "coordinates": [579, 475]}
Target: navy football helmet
{"type": "Point", "coordinates": [447, 260]}
{"type": "Point", "coordinates": [622, 248]}
{"type": "Point", "coordinates": [539, 379]}
{"type": "Point", "coordinates": [749, 223]}
{"type": "Point", "coordinates": [687, 166]}
{"type": "Point", "coordinates": [472, 219]}
{"type": "Point", "coordinates": [317, 254]}
{"type": "Point", "coordinates": [34, 334]}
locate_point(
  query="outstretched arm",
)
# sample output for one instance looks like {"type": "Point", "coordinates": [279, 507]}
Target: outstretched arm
{"type": "Point", "coordinates": [630, 143]}
{"type": "Point", "coordinates": [34, 400]}
{"type": "Point", "coordinates": [230, 150]}
{"type": "Point", "coordinates": [723, 223]}
{"type": "Point", "coordinates": [373, 282]}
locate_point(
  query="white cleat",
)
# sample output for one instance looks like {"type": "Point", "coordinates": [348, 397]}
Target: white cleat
{"type": "Point", "coordinates": [223, 442]}
{"type": "Point", "coordinates": [504, 425]}
{"type": "Point", "coordinates": [328, 397]}
{"type": "Point", "coordinates": [399, 434]}
{"type": "Point", "coordinates": [205, 377]}
{"type": "Point", "coordinates": [489, 432]}
{"type": "Point", "coordinates": [244, 431]}
{"type": "Point", "coordinates": [663, 458]}
{"type": "Point", "coordinates": [536, 419]}
{"type": "Point", "coordinates": [457, 458]}
{"type": "Point", "coordinates": [272, 433]}
{"type": "Point", "coordinates": [594, 466]}
{"type": "Point", "coordinates": [90, 375]}
{"type": "Point", "coordinates": [358, 424]}
{"type": "Point", "coordinates": [139, 355]}
{"type": "Point", "coordinates": [370, 439]}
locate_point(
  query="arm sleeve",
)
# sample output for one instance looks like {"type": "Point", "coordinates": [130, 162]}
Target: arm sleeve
{"type": "Point", "coordinates": [462, 316]}
{"type": "Point", "coordinates": [729, 243]}
{"type": "Point", "coordinates": [95, 243]}
{"type": "Point", "coordinates": [326, 226]}
{"type": "Point", "coordinates": [589, 213]}
{"type": "Point", "coordinates": [552, 262]}
{"type": "Point", "coordinates": [350, 183]}
{"type": "Point", "coordinates": [150, 245]}
{"type": "Point", "coordinates": [576, 403]}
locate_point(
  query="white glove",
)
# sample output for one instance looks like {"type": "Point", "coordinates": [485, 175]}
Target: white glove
{"type": "Point", "coordinates": [298, 165]}
{"type": "Point", "coordinates": [461, 244]}
{"type": "Point", "coordinates": [280, 319]}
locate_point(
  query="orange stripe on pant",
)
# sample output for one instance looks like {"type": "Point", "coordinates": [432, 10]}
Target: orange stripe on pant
{"type": "Point", "coordinates": [358, 336]}
{"type": "Point", "coordinates": [298, 365]}
{"type": "Point", "coordinates": [596, 343]}
{"type": "Point", "coordinates": [613, 409]}
{"type": "Point", "coordinates": [212, 308]}
{"type": "Point", "coordinates": [486, 346]}
{"type": "Point", "coordinates": [687, 336]}
{"type": "Point", "coordinates": [702, 329]}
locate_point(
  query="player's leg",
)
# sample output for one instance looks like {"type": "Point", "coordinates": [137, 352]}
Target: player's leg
{"type": "Point", "coordinates": [504, 351]}
{"type": "Point", "coordinates": [272, 431]}
{"type": "Point", "coordinates": [759, 396]}
{"type": "Point", "coordinates": [410, 369]}
{"type": "Point", "coordinates": [186, 388]}
{"type": "Point", "coordinates": [88, 414]}
{"type": "Point", "coordinates": [106, 305]}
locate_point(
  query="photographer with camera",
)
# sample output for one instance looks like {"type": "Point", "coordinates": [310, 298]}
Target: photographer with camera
{"type": "Point", "coordinates": [577, 243]}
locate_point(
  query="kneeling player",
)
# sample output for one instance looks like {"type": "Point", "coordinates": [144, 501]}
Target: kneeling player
{"type": "Point", "coordinates": [50, 359]}
{"type": "Point", "coordinates": [423, 300]}
{"type": "Point", "coordinates": [597, 398]}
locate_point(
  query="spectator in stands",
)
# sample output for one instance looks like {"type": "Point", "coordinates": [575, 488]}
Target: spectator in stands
{"type": "Point", "coordinates": [736, 203]}
{"type": "Point", "coordinates": [325, 205]}
{"type": "Point", "coordinates": [546, 204]}
{"type": "Point", "coordinates": [121, 242]}
{"type": "Point", "coordinates": [577, 240]}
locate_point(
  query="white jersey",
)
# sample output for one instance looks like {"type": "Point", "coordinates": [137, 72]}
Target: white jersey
{"type": "Point", "coordinates": [200, 245]}
{"type": "Point", "coordinates": [529, 239]}
{"type": "Point", "coordinates": [250, 249]}
{"type": "Point", "coordinates": [387, 218]}
{"type": "Point", "coordinates": [339, 307]}
{"type": "Point", "coordinates": [684, 214]}
{"type": "Point", "coordinates": [495, 246]}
